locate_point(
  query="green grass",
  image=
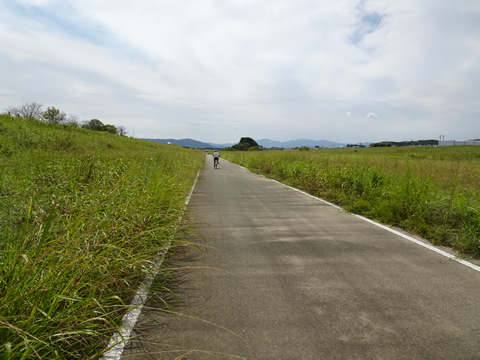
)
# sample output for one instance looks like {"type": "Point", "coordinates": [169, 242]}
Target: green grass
{"type": "Point", "coordinates": [430, 191]}
{"type": "Point", "coordinates": [83, 214]}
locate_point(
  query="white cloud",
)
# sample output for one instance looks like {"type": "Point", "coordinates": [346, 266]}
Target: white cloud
{"type": "Point", "coordinates": [284, 68]}
{"type": "Point", "coordinates": [34, 2]}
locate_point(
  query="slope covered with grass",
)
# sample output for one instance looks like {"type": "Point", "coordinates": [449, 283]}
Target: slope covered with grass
{"type": "Point", "coordinates": [82, 216]}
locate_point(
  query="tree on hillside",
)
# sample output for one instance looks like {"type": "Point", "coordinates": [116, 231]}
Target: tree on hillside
{"type": "Point", "coordinates": [249, 141]}
{"type": "Point", "coordinates": [93, 124]}
{"type": "Point", "coordinates": [245, 144]}
{"type": "Point", "coordinates": [109, 128]}
{"type": "Point", "coordinates": [122, 130]}
{"type": "Point", "coordinates": [54, 115]}
{"type": "Point", "coordinates": [97, 125]}
{"type": "Point", "coordinates": [28, 110]}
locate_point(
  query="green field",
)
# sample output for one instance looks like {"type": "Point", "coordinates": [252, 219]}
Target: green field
{"type": "Point", "coordinates": [430, 191]}
{"type": "Point", "coordinates": [82, 216]}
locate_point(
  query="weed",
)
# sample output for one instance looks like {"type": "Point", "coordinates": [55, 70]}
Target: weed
{"type": "Point", "coordinates": [82, 216]}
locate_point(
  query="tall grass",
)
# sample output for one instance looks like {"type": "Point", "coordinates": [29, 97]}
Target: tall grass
{"type": "Point", "coordinates": [434, 192]}
{"type": "Point", "coordinates": [83, 215]}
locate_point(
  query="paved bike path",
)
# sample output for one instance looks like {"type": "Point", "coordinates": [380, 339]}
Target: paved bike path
{"type": "Point", "coordinates": [286, 276]}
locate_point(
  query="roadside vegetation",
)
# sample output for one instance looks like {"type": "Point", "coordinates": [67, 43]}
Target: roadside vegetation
{"type": "Point", "coordinates": [430, 191]}
{"type": "Point", "coordinates": [83, 214]}
{"type": "Point", "coordinates": [34, 110]}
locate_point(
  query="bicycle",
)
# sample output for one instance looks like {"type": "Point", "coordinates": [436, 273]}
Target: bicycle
{"type": "Point", "coordinates": [215, 162]}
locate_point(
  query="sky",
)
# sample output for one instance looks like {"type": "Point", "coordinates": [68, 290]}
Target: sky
{"type": "Point", "coordinates": [348, 71]}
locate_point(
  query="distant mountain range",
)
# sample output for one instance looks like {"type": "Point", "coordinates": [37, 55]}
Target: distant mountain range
{"type": "Point", "coordinates": [266, 143]}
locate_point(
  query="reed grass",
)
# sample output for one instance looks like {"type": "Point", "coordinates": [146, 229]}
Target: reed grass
{"type": "Point", "coordinates": [430, 191]}
{"type": "Point", "coordinates": [83, 215]}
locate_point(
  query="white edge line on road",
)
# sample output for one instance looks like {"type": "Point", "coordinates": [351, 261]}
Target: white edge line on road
{"type": "Point", "coordinates": [407, 237]}
{"type": "Point", "coordinates": [121, 337]}
{"type": "Point", "coordinates": [421, 243]}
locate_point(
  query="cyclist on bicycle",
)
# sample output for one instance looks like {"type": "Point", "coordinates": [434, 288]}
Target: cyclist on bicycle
{"type": "Point", "coordinates": [216, 156]}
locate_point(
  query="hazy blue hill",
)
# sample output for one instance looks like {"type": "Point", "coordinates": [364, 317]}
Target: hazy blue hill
{"type": "Point", "coordinates": [266, 143]}
{"type": "Point", "coordinates": [222, 146]}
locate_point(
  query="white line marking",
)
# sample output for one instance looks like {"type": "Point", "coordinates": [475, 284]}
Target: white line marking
{"type": "Point", "coordinates": [310, 195]}
{"type": "Point", "coordinates": [421, 243]}
{"type": "Point", "coordinates": [120, 338]}
{"type": "Point", "coordinates": [407, 237]}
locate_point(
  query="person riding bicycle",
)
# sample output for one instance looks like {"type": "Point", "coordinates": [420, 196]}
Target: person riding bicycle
{"type": "Point", "coordinates": [216, 156]}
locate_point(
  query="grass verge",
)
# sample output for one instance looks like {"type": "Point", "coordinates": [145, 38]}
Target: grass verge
{"type": "Point", "coordinates": [83, 215]}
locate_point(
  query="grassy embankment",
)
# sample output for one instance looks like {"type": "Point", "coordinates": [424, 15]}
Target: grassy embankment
{"type": "Point", "coordinates": [82, 216]}
{"type": "Point", "coordinates": [434, 192]}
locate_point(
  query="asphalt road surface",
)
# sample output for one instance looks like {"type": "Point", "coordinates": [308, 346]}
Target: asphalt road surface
{"type": "Point", "coordinates": [285, 276]}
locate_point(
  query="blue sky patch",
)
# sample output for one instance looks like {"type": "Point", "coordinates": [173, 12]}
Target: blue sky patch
{"type": "Point", "coordinates": [62, 18]}
{"type": "Point", "coordinates": [368, 23]}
